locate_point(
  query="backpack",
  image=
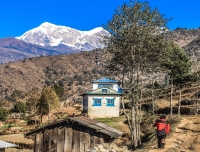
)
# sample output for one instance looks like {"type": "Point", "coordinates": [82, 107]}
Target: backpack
{"type": "Point", "coordinates": [163, 131]}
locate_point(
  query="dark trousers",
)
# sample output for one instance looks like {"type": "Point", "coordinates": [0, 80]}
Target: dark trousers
{"type": "Point", "coordinates": [161, 141]}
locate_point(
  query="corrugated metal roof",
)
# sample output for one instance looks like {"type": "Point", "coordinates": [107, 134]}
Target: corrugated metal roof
{"type": "Point", "coordinates": [109, 93]}
{"type": "Point", "coordinates": [90, 123]}
{"type": "Point", "coordinates": [4, 144]}
{"type": "Point", "coordinates": [100, 127]}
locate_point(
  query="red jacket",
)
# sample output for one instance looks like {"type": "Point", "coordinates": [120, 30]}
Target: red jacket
{"type": "Point", "coordinates": [161, 124]}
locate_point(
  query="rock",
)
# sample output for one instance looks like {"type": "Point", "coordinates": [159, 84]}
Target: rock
{"type": "Point", "coordinates": [101, 148]}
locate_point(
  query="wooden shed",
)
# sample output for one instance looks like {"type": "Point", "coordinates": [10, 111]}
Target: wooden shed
{"type": "Point", "coordinates": [74, 134]}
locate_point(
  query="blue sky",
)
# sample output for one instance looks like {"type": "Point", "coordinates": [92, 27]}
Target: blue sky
{"type": "Point", "coordinates": [19, 16]}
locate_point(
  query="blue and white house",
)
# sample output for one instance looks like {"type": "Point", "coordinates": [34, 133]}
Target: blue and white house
{"type": "Point", "coordinates": [104, 100]}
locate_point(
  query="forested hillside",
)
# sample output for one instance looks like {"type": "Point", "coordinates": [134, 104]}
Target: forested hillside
{"type": "Point", "coordinates": [72, 72]}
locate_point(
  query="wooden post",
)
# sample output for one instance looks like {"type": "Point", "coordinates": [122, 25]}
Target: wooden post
{"type": "Point", "coordinates": [82, 140]}
{"type": "Point", "coordinates": [61, 140]}
{"type": "Point", "coordinates": [75, 141]}
{"type": "Point", "coordinates": [87, 140]}
{"type": "Point", "coordinates": [46, 145]}
{"type": "Point", "coordinates": [78, 140]}
{"type": "Point", "coordinates": [50, 138]}
{"type": "Point", "coordinates": [96, 140]}
{"type": "Point", "coordinates": [38, 147]}
{"type": "Point", "coordinates": [68, 139]}
{"type": "Point", "coordinates": [53, 140]}
{"type": "Point", "coordinates": [92, 141]}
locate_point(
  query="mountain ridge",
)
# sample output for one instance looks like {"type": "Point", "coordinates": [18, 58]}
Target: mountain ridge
{"type": "Point", "coordinates": [12, 49]}
{"type": "Point", "coordinates": [48, 34]}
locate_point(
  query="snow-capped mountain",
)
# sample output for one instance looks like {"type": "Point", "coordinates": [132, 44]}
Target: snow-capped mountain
{"type": "Point", "coordinates": [48, 34]}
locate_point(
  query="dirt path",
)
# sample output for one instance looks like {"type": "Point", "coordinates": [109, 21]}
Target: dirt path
{"type": "Point", "coordinates": [185, 138]}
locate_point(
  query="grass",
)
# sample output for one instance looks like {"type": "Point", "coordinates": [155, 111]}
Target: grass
{"type": "Point", "coordinates": [115, 122]}
{"type": "Point", "coordinates": [9, 125]}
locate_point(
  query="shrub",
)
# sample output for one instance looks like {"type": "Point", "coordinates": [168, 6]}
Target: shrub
{"type": "Point", "coordinates": [3, 114]}
{"type": "Point", "coordinates": [19, 107]}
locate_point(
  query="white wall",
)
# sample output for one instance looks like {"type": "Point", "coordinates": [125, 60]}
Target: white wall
{"type": "Point", "coordinates": [95, 86]}
{"type": "Point", "coordinates": [103, 111]}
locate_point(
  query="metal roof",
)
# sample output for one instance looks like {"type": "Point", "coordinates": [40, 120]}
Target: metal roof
{"type": "Point", "coordinates": [102, 93]}
{"type": "Point", "coordinates": [4, 144]}
{"type": "Point", "coordinates": [106, 80]}
{"type": "Point", "coordinates": [100, 127]}
{"type": "Point", "coordinates": [84, 121]}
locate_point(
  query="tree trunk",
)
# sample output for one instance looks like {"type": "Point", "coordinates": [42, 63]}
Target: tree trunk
{"type": "Point", "coordinates": [133, 124]}
{"type": "Point", "coordinates": [127, 117]}
{"type": "Point", "coordinates": [171, 98]}
{"type": "Point", "coordinates": [140, 118]}
{"type": "Point", "coordinates": [40, 118]}
{"type": "Point", "coordinates": [152, 93]}
{"type": "Point", "coordinates": [197, 100]}
{"type": "Point", "coordinates": [35, 118]}
{"type": "Point", "coordinates": [179, 102]}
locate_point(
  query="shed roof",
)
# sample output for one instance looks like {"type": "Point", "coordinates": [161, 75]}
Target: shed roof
{"type": "Point", "coordinates": [87, 122]}
{"type": "Point", "coordinates": [100, 127]}
{"type": "Point", "coordinates": [4, 144]}
{"type": "Point", "coordinates": [105, 80]}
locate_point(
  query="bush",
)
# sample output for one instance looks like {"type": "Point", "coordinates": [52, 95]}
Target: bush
{"type": "Point", "coordinates": [19, 107]}
{"type": "Point", "coordinates": [61, 83]}
{"type": "Point", "coordinates": [48, 82]}
{"type": "Point", "coordinates": [187, 102]}
{"type": "Point", "coordinates": [3, 114]}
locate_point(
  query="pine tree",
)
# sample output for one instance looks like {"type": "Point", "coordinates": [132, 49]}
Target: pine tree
{"type": "Point", "coordinates": [48, 101]}
{"type": "Point", "coordinates": [178, 66]}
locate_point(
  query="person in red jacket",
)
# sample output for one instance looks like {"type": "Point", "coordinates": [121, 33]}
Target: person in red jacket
{"type": "Point", "coordinates": [163, 128]}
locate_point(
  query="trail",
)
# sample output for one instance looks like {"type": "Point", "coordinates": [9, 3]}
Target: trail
{"type": "Point", "coordinates": [185, 138]}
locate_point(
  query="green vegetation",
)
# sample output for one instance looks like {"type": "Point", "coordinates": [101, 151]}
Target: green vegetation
{"type": "Point", "coordinates": [48, 101]}
{"type": "Point", "coordinates": [115, 122]}
{"type": "Point", "coordinates": [19, 107]}
{"type": "Point", "coordinates": [3, 114]}
{"type": "Point", "coordinates": [136, 45]}
{"type": "Point", "coordinates": [59, 89]}
{"type": "Point", "coordinates": [178, 66]}
{"type": "Point", "coordinates": [9, 125]}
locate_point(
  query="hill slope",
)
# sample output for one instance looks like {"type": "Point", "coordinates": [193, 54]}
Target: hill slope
{"type": "Point", "coordinates": [74, 72]}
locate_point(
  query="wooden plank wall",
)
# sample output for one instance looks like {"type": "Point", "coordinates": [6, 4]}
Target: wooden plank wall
{"type": "Point", "coordinates": [39, 142]}
{"type": "Point", "coordinates": [61, 139]}
{"type": "Point", "coordinates": [67, 138]}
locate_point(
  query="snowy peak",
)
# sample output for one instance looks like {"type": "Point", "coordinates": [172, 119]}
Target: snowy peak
{"type": "Point", "coordinates": [94, 31]}
{"type": "Point", "coordinates": [48, 34]}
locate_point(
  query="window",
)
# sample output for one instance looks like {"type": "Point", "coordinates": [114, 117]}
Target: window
{"type": "Point", "coordinates": [110, 102]}
{"type": "Point", "coordinates": [104, 91]}
{"type": "Point", "coordinates": [97, 102]}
